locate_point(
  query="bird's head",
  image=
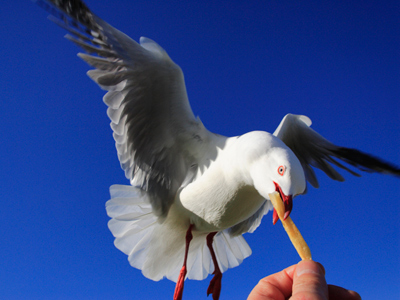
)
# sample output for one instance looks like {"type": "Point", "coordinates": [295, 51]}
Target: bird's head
{"type": "Point", "coordinates": [277, 168]}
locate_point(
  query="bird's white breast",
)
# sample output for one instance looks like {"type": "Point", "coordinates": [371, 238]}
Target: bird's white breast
{"type": "Point", "coordinates": [222, 197]}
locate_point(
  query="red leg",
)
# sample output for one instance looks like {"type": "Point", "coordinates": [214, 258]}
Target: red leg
{"type": "Point", "coordinates": [181, 279]}
{"type": "Point", "coordinates": [215, 284]}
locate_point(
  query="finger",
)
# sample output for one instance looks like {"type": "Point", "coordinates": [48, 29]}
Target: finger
{"type": "Point", "coordinates": [309, 281]}
{"type": "Point", "coordinates": [339, 293]}
{"type": "Point", "coordinates": [277, 286]}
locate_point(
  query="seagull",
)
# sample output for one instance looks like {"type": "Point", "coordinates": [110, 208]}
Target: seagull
{"type": "Point", "coordinates": [192, 193]}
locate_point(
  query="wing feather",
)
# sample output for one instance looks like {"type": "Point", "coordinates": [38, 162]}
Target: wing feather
{"type": "Point", "coordinates": [153, 125]}
{"type": "Point", "coordinates": [252, 223]}
{"type": "Point", "coordinates": [313, 150]}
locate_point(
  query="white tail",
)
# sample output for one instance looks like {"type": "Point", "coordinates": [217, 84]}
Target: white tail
{"type": "Point", "coordinates": [158, 249]}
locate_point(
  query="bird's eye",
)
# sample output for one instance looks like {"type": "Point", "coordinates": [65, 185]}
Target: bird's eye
{"type": "Point", "coordinates": [281, 170]}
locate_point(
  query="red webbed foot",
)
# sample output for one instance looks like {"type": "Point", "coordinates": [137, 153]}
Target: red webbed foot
{"type": "Point", "coordinates": [215, 285]}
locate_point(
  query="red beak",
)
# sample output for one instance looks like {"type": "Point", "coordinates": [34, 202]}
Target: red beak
{"type": "Point", "coordinates": [287, 201]}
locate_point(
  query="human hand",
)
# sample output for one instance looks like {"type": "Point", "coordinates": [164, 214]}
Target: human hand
{"type": "Point", "coordinates": [306, 280]}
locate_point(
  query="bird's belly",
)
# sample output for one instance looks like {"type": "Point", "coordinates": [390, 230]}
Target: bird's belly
{"type": "Point", "coordinates": [219, 208]}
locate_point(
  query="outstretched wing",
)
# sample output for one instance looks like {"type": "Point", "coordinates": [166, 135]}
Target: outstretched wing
{"type": "Point", "coordinates": [154, 128]}
{"type": "Point", "coordinates": [313, 150]}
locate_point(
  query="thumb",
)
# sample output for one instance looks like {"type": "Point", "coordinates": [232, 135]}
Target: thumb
{"type": "Point", "coordinates": [309, 281]}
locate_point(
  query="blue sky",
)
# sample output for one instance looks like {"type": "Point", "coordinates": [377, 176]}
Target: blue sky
{"type": "Point", "coordinates": [246, 64]}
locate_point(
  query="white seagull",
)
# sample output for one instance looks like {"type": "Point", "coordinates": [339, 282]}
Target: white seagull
{"type": "Point", "coordinates": [193, 193]}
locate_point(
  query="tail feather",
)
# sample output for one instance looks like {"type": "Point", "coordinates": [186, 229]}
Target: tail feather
{"type": "Point", "coordinates": [158, 249]}
{"type": "Point", "coordinates": [132, 222]}
{"type": "Point", "coordinates": [231, 251]}
{"type": "Point", "coordinates": [199, 262]}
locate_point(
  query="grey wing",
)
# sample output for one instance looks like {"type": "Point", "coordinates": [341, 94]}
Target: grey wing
{"type": "Point", "coordinates": [252, 223]}
{"type": "Point", "coordinates": [313, 150]}
{"type": "Point", "coordinates": [154, 128]}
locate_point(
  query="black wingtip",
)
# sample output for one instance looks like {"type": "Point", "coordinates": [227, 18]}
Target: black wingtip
{"type": "Point", "coordinates": [366, 162]}
{"type": "Point", "coordinates": [76, 10]}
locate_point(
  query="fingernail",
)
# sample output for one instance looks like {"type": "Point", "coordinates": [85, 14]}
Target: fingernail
{"type": "Point", "coordinates": [309, 267]}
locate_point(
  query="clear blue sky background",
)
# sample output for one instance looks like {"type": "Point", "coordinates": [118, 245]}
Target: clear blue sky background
{"type": "Point", "coordinates": [247, 64]}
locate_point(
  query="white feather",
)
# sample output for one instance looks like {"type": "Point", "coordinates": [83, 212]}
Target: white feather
{"type": "Point", "coordinates": [158, 249]}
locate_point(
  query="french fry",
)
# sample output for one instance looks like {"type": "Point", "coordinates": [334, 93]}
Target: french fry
{"type": "Point", "coordinates": [294, 234]}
